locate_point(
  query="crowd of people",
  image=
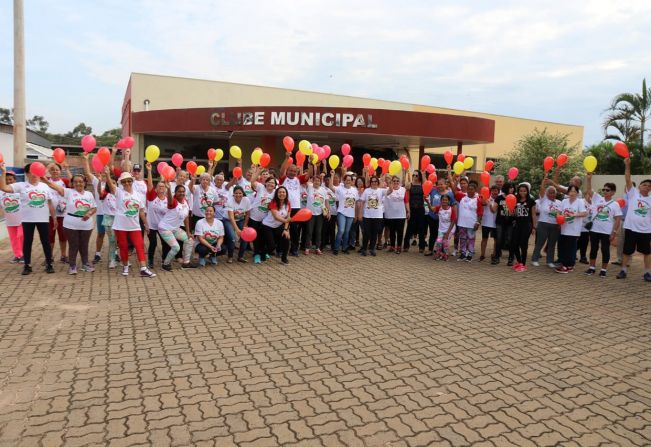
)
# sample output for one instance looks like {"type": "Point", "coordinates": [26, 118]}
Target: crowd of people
{"type": "Point", "coordinates": [199, 220]}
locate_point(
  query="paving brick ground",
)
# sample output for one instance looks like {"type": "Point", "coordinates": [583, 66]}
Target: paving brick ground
{"type": "Point", "coordinates": [328, 351]}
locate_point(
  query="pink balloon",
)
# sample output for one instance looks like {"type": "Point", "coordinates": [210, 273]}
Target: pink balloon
{"type": "Point", "coordinates": [37, 169]}
{"type": "Point", "coordinates": [248, 234]}
{"type": "Point", "coordinates": [314, 147]}
{"type": "Point", "coordinates": [88, 143]}
{"type": "Point", "coordinates": [348, 161]}
{"type": "Point", "coordinates": [326, 152]}
{"type": "Point", "coordinates": [120, 144]}
{"type": "Point", "coordinates": [430, 168]}
{"type": "Point", "coordinates": [169, 173]}
{"type": "Point", "coordinates": [97, 164]}
{"type": "Point", "coordinates": [161, 167]}
{"type": "Point", "coordinates": [345, 149]}
{"type": "Point", "coordinates": [129, 142]}
{"type": "Point", "coordinates": [513, 173]}
{"type": "Point", "coordinates": [320, 152]}
{"type": "Point", "coordinates": [177, 159]}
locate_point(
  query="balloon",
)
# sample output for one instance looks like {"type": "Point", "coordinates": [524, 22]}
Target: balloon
{"type": "Point", "coordinates": [348, 161]}
{"type": "Point", "coordinates": [219, 154]}
{"type": "Point", "coordinates": [485, 178]}
{"type": "Point", "coordinates": [395, 167]}
{"type": "Point", "coordinates": [303, 215]}
{"type": "Point", "coordinates": [427, 187]}
{"type": "Point", "coordinates": [305, 147]}
{"type": "Point", "coordinates": [191, 167]}
{"type": "Point", "coordinates": [468, 163]}
{"type": "Point", "coordinates": [513, 173]}
{"type": "Point", "coordinates": [366, 159]}
{"type": "Point", "coordinates": [288, 143]}
{"type": "Point", "coordinates": [120, 144]}
{"type": "Point", "coordinates": [255, 156]}
{"type": "Point", "coordinates": [510, 202]}
{"type": "Point", "coordinates": [424, 162]}
{"type": "Point", "coordinates": [430, 168]}
{"type": "Point", "coordinates": [211, 154]}
{"type": "Point", "coordinates": [117, 171]}
{"type": "Point", "coordinates": [448, 157]}
{"type": "Point", "coordinates": [432, 177]}
{"type": "Point", "coordinates": [237, 172]}
{"type": "Point", "coordinates": [548, 163]}
{"type": "Point", "coordinates": [345, 149]}
{"type": "Point", "coordinates": [37, 169]}
{"type": "Point", "coordinates": [561, 160]}
{"type": "Point", "coordinates": [333, 161]}
{"type": "Point", "coordinates": [590, 163]}
{"type": "Point", "coordinates": [326, 151]}
{"type": "Point", "coordinates": [314, 158]}
{"type": "Point", "coordinates": [374, 163]}
{"type": "Point", "coordinates": [104, 155]}
{"type": "Point", "coordinates": [458, 167]}
{"type": "Point", "coordinates": [265, 159]}
{"type": "Point", "coordinates": [128, 142]}
{"type": "Point", "coordinates": [161, 167]}
{"type": "Point", "coordinates": [485, 192]}
{"type": "Point", "coordinates": [461, 157]}
{"type": "Point", "coordinates": [385, 166]}
{"type": "Point", "coordinates": [97, 164]}
{"type": "Point", "coordinates": [315, 148]}
{"type": "Point", "coordinates": [560, 219]}
{"type": "Point", "coordinates": [621, 149]}
{"type": "Point", "coordinates": [404, 161]}
{"type": "Point", "coordinates": [201, 169]}
{"type": "Point", "coordinates": [177, 159]}
{"type": "Point", "coordinates": [621, 203]}
{"type": "Point", "coordinates": [248, 234]}
{"type": "Point", "coordinates": [236, 152]}
{"type": "Point", "coordinates": [88, 143]}
{"type": "Point", "coordinates": [489, 165]}
{"type": "Point", "coordinates": [320, 153]}
{"type": "Point", "coordinates": [290, 161]}
{"type": "Point", "coordinates": [152, 153]}
{"type": "Point", "coordinates": [169, 173]}
{"type": "Point", "coordinates": [2, 158]}
{"type": "Point", "coordinates": [59, 155]}
{"type": "Point", "coordinates": [300, 158]}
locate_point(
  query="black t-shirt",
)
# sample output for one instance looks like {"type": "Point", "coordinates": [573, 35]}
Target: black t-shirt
{"type": "Point", "coordinates": [523, 211]}
{"type": "Point", "coordinates": [416, 197]}
{"type": "Point", "coordinates": [504, 216]}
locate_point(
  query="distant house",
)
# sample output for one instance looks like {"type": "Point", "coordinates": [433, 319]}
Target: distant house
{"type": "Point", "coordinates": [37, 147]}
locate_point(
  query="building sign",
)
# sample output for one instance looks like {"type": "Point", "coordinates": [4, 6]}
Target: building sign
{"type": "Point", "coordinates": [271, 118]}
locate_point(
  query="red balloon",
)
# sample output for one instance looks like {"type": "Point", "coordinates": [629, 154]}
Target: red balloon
{"type": "Point", "coordinates": [366, 159]}
{"type": "Point", "coordinates": [485, 192]}
{"type": "Point", "coordinates": [288, 143]}
{"type": "Point", "coordinates": [290, 161]}
{"type": "Point", "coordinates": [424, 162]}
{"type": "Point", "coordinates": [461, 157]}
{"type": "Point", "coordinates": [97, 164]}
{"type": "Point", "coordinates": [104, 155]}
{"type": "Point", "coordinates": [430, 168]}
{"type": "Point", "coordinates": [303, 215]}
{"type": "Point", "coordinates": [300, 158]}
{"type": "Point", "coordinates": [59, 155]}
{"type": "Point", "coordinates": [621, 149]}
{"type": "Point", "coordinates": [561, 160]}
{"type": "Point", "coordinates": [560, 219]}
{"type": "Point", "coordinates": [548, 163]}
{"type": "Point", "coordinates": [88, 143]}
{"type": "Point", "coordinates": [326, 152]}
{"type": "Point", "coordinates": [248, 234]}
{"type": "Point", "coordinates": [427, 187]}
{"type": "Point", "coordinates": [161, 167]}
{"type": "Point", "coordinates": [117, 172]}
{"type": "Point", "coordinates": [513, 173]}
{"type": "Point", "coordinates": [237, 172]}
{"type": "Point", "coordinates": [485, 178]}
{"type": "Point", "coordinates": [345, 149]}
{"type": "Point", "coordinates": [432, 177]}
{"type": "Point", "coordinates": [128, 142]}
{"type": "Point", "coordinates": [191, 167]}
{"type": "Point", "coordinates": [177, 159]}
{"type": "Point", "coordinates": [510, 202]}
{"type": "Point", "coordinates": [348, 161]}
{"type": "Point", "coordinates": [265, 159]}
{"type": "Point", "coordinates": [120, 144]}
{"type": "Point", "coordinates": [404, 161]}
{"type": "Point", "coordinates": [489, 166]}
{"type": "Point", "coordinates": [37, 169]}
{"type": "Point", "coordinates": [448, 156]}
{"type": "Point", "coordinates": [169, 173]}
{"type": "Point", "coordinates": [621, 203]}
{"type": "Point", "coordinates": [212, 153]}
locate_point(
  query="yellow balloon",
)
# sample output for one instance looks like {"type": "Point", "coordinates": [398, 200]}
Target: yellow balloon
{"type": "Point", "coordinates": [315, 159]}
{"type": "Point", "coordinates": [219, 154]}
{"type": "Point", "coordinates": [305, 147]}
{"type": "Point", "coordinates": [395, 167]}
{"type": "Point", "coordinates": [590, 163]}
{"type": "Point", "coordinates": [201, 169]}
{"type": "Point", "coordinates": [458, 167]}
{"type": "Point", "coordinates": [152, 153]}
{"type": "Point", "coordinates": [374, 162]}
{"type": "Point", "coordinates": [468, 163]}
{"type": "Point", "coordinates": [236, 152]}
{"type": "Point", "coordinates": [333, 161]}
{"type": "Point", "coordinates": [255, 156]}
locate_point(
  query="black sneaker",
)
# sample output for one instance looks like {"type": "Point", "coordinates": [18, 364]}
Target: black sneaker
{"type": "Point", "coordinates": [335, 252]}
{"type": "Point", "coordinates": [590, 272]}
{"type": "Point", "coordinates": [189, 265]}
{"type": "Point", "coordinates": [49, 268]}
{"type": "Point", "coordinates": [602, 274]}
{"type": "Point", "coordinates": [647, 277]}
{"type": "Point", "coordinates": [373, 253]}
{"type": "Point", "coordinates": [284, 260]}
{"type": "Point", "coordinates": [468, 258]}
{"type": "Point", "coordinates": [362, 252]}
{"type": "Point", "coordinates": [97, 259]}
{"type": "Point", "coordinates": [293, 253]}
{"type": "Point", "coordinates": [509, 262]}
{"type": "Point", "coordinates": [495, 261]}
{"type": "Point", "coordinates": [621, 275]}
{"type": "Point", "coordinates": [584, 261]}
{"type": "Point", "coordinates": [146, 273]}
{"type": "Point", "coordinates": [167, 267]}
{"type": "Point", "coordinates": [26, 270]}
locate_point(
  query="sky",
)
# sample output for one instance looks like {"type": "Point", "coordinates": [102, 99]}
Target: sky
{"type": "Point", "coordinates": [560, 61]}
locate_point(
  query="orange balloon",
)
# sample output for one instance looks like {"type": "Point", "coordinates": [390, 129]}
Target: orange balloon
{"type": "Point", "coordinates": [424, 162]}
{"type": "Point", "coordinates": [511, 202]}
{"type": "Point", "coordinates": [561, 160]}
{"type": "Point", "coordinates": [237, 172]}
{"type": "Point", "coordinates": [427, 187]}
{"type": "Point", "coordinates": [265, 159]}
{"type": "Point", "coordinates": [303, 215]}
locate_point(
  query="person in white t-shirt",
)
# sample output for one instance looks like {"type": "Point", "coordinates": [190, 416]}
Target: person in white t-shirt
{"type": "Point", "coordinates": [548, 230]}
{"type": "Point", "coordinates": [573, 210]}
{"type": "Point", "coordinates": [176, 215]}
{"type": "Point", "coordinates": [488, 223]}
{"type": "Point", "coordinates": [347, 196]}
{"type": "Point", "coordinates": [372, 214]}
{"type": "Point", "coordinates": [239, 210]}
{"type": "Point", "coordinates": [10, 203]}
{"type": "Point", "coordinates": [396, 212]}
{"type": "Point", "coordinates": [54, 173]}
{"type": "Point", "coordinates": [156, 209]}
{"type": "Point", "coordinates": [264, 189]}
{"type": "Point", "coordinates": [318, 204]}
{"type": "Point", "coordinates": [275, 227]}
{"type": "Point", "coordinates": [637, 225]}
{"type": "Point", "coordinates": [98, 182]}
{"type": "Point", "coordinates": [209, 233]}
{"type": "Point", "coordinates": [36, 211]}
{"type": "Point", "coordinates": [203, 195]}
{"type": "Point", "coordinates": [292, 181]}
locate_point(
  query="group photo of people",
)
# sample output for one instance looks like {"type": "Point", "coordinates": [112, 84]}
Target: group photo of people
{"type": "Point", "coordinates": [163, 217]}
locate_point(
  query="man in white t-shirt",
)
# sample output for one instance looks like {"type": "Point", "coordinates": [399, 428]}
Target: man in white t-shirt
{"type": "Point", "coordinates": [290, 179]}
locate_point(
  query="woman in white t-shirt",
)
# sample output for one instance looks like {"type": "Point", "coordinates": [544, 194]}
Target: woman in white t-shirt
{"type": "Point", "coordinates": [156, 209]}
{"type": "Point", "coordinates": [396, 211]}
{"type": "Point", "coordinates": [130, 209]}
{"type": "Point", "coordinates": [489, 223]}
{"type": "Point", "coordinates": [176, 215]}
{"type": "Point", "coordinates": [109, 204]}
{"type": "Point", "coordinates": [548, 229]}
{"type": "Point", "coordinates": [606, 219]}
{"type": "Point", "coordinates": [573, 210]}
{"type": "Point", "coordinates": [275, 227]}
{"type": "Point", "coordinates": [203, 195]}
{"type": "Point", "coordinates": [317, 203]}
{"type": "Point", "coordinates": [372, 214]}
{"type": "Point", "coordinates": [264, 192]}
{"type": "Point", "coordinates": [239, 209]}
{"type": "Point", "coordinates": [209, 234]}
{"type": "Point", "coordinates": [347, 197]}
{"type": "Point", "coordinates": [10, 203]}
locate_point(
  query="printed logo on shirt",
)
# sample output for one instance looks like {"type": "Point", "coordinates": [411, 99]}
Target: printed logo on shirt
{"type": "Point", "coordinates": [247, 190]}
{"type": "Point", "coordinates": [132, 208]}
{"type": "Point", "coordinates": [238, 214]}
{"type": "Point", "coordinates": [210, 236]}
{"type": "Point", "coordinates": [603, 212]}
{"type": "Point", "coordinates": [81, 207]}
{"type": "Point", "coordinates": [553, 210]}
{"type": "Point", "coordinates": [372, 202]}
{"type": "Point", "coordinates": [264, 204]}
{"type": "Point", "coordinates": [641, 210]}
{"type": "Point", "coordinates": [36, 199]}
{"type": "Point", "coordinates": [569, 215]}
{"type": "Point", "coordinates": [10, 205]}
{"type": "Point", "coordinates": [205, 202]}
{"type": "Point", "coordinates": [349, 202]}
{"type": "Point", "coordinates": [303, 199]}
{"type": "Point", "coordinates": [318, 200]}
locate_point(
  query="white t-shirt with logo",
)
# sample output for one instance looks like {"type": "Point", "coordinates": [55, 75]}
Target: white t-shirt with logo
{"type": "Point", "coordinates": [638, 215]}
{"type": "Point", "coordinates": [293, 186]}
{"type": "Point", "coordinates": [220, 202]}
{"type": "Point", "coordinates": [156, 210]}
{"type": "Point", "coordinates": [394, 204]}
{"type": "Point", "coordinates": [110, 204]}
{"type": "Point", "coordinates": [572, 225]}
{"type": "Point", "coordinates": [603, 214]}
{"type": "Point", "coordinates": [58, 201]}
{"type": "Point", "coordinates": [202, 199]}
{"type": "Point", "coordinates": [316, 198]}
{"type": "Point", "coordinates": [373, 203]}
{"type": "Point", "coordinates": [446, 219]}
{"type": "Point", "coordinates": [246, 186]}
{"type": "Point", "coordinates": [128, 206]}
{"type": "Point", "coordinates": [10, 203]}
{"type": "Point", "coordinates": [548, 210]}
{"type": "Point", "coordinates": [270, 221]}
{"type": "Point", "coordinates": [347, 197]}
{"type": "Point", "coordinates": [260, 205]}
{"type": "Point", "coordinates": [175, 217]}
{"type": "Point", "coordinates": [33, 201]}
{"type": "Point", "coordinates": [98, 202]}
{"type": "Point", "coordinates": [468, 211]}
{"type": "Point", "coordinates": [211, 233]}
{"type": "Point", "coordinates": [489, 217]}
{"type": "Point", "coordinates": [332, 201]}
{"type": "Point", "coordinates": [77, 204]}
{"type": "Point", "coordinates": [239, 209]}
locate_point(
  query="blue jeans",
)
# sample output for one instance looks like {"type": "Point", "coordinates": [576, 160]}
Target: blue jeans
{"type": "Point", "coordinates": [343, 230]}
{"type": "Point", "coordinates": [243, 243]}
{"type": "Point", "coordinates": [229, 238]}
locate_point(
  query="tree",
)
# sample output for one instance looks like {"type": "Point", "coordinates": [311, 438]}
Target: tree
{"type": "Point", "coordinates": [7, 116]}
{"type": "Point", "coordinates": [79, 131]}
{"type": "Point", "coordinates": [611, 163]}
{"type": "Point", "coordinates": [627, 115]}
{"type": "Point", "coordinates": [38, 123]}
{"type": "Point", "coordinates": [110, 137]}
{"type": "Point", "coordinates": [530, 151]}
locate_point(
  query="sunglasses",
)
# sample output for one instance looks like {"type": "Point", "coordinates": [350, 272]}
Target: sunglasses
{"type": "Point", "coordinates": [127, 181]}
{"type": "Point", "coordinates": [606, 189]}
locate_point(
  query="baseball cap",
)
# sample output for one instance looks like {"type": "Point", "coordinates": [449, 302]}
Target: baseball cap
{"type": "Point", "coordinates": [137, 167]}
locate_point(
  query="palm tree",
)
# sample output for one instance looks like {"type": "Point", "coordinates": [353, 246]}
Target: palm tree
{"type": "Point", "coordinates": [628, 114]}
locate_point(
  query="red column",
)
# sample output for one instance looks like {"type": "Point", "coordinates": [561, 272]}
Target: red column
{"type": "Point", "coordinates": [421, 152]}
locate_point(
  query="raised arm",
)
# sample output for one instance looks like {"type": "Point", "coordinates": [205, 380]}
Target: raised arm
{"type": "Point", "coordinates": [53, 185]}
{"type": "Point", "coordinates": [150, 180]}
{"type": "Point", "coordinates": [3, 180]}
{"type": "Point", "coordinates": [87, 172]}
{"type": "Point", "coordinates": [627, 174]}
{"type": "Point", "coordinates": [588, 192]}
{"type": "Point", "coordinates": [109, 180]}
{"type": "Point", "coordinates": [285, 165]}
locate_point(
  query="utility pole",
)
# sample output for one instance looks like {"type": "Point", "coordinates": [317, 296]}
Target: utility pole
{"type": "Point", "coordinates": [20, 133]}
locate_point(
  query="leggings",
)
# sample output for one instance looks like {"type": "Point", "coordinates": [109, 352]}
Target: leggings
{"type": "Point", "coordinates": [153, 244]}
{"type": "Point", "coordinates": [107, 222]}
{"type": "Point", "coordinates": [396, 231]}
{"type": "Point", "coordinates": [123, 237]}
{"type": "Point", "coordinates": [504, 234]}
{"type": "Point", "coordinates": [314, 229]}
{"type": "Point", "coordinates": [171, 238]}
{"type": "Point", "coordinates": [567, 250]}
{"type": "Point", "coordinates": [546, 233]}
{"type": "Point", "coordinates": [243, 244]}
{"type": "Point", "coordinates": [433, 225]}
{"type": "Point", "coordinates": [467, 241]}
{"type": "Point", "coordinates": [416, 225]}
{"type": "Point", "coordinates": [604, 240]}
{"type": "Point", "coordinates": [16, 239]}
{"type": "Point", "coordinates": [203, 251]}
{"type": "Point", "coordinates": [520, 241]}
{"type": "Point", "coordinates": [271, 239]}
{"type": "Point", "coordinates": [28, 238]}
{"type": "Point", "coordinates": [371, 230]}
{"type": "Point", "coordinates": [582, 244]}
{"type": "Point", "coordinates": [78, 243]}
{"type": "Point", "coordinates": [442, 243]}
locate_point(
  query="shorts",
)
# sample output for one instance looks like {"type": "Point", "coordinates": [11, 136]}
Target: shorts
{"type": "Point", "coordinates": [634, 240]}
{"type": "Point", "coordinates": [487, 232]}
{"type": "Point", "coordinates": [100, 224]}
{"type": "Point", "coordinates": [59, 229]}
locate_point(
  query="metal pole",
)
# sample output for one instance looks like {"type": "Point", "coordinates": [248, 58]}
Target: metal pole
{"type": "Point", "coordinates": [20, 135]}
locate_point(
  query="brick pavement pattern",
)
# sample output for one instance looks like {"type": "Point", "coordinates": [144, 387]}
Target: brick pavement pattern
{"type": "Point", "coordinates": [328, 351]}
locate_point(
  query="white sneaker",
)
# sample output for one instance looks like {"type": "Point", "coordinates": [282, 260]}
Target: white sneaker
{"type": "Point", "coordinates": [112, 264]}
{"type": "Point", "coordinates": [125, 270]}
{"type": "Point", "coordinates": [551, 265]}
{"type": "Point", "coordinates": [535, 263]}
